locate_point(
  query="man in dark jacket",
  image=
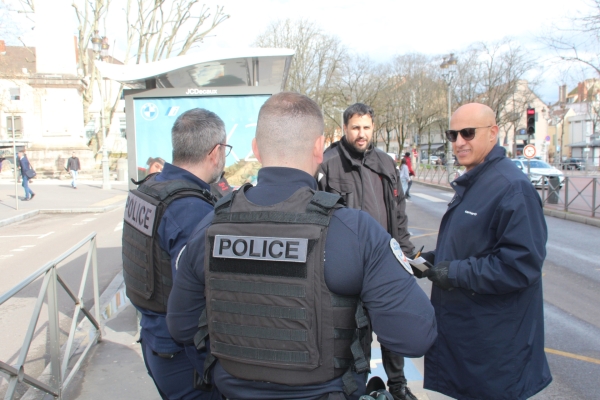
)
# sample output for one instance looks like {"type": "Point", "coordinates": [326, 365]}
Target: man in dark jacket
{"type": "Point", "coordinates": [199, 153]}
{"type": "Point", "coordinates": [26, 175]}
{"type": "Point", "coordinates": [487, 277]}
{"type": "Point", "coordinates": [362, 264]}
{"type": "Point", "coordinates": [73, 167]}
{"type": "Point", "coordinates": [367, 179]}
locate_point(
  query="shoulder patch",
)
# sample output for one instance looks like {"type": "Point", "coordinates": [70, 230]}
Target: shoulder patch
{"type": "Point", "coordinates": [397, 250]}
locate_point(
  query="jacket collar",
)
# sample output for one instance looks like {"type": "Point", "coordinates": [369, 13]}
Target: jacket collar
{"type": "Point", "coordinates": [462, 183]}
{"type": "Point", "coordinates": [355, 157]}
{"type": "Point", "coordinates": [172, 172]}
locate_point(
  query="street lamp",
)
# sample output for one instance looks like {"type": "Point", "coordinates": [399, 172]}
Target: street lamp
{"type": "Point", "coordinates": [100, 48]}
{"type": "Point", "coordinates": [448, 71]}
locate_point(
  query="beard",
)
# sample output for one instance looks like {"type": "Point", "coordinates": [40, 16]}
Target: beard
{"type": "Point", "coordinates": [216, 176]}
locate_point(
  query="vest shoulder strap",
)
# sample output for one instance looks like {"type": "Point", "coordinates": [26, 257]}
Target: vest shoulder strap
{"type": "Point", "coordinates": [324, 203]}
{"type": "Point", "coordinates": [168, 191]}
{"type": "Point", "coordinates": [224, 203]}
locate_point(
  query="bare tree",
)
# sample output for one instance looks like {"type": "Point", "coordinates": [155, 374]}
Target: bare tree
{"type": "Point", "coordinates": [579, 42]}
{"type": "Point", "coordinates": [318, 57]}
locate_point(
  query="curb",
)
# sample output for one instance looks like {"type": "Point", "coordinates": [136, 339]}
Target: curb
{"type": "Point", "coordinates": [582, 219]}
{"type": "Point", "coordinates": [33, 213]}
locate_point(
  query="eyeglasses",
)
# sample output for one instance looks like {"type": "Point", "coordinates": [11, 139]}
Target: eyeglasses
{"type": "Point", "coordinates": [227, 148]}
{"type": "Point", "coordinates": [466, 133]}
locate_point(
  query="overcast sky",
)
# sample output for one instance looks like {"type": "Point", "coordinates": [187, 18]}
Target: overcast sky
{"type": "Point", "coordinates": [382, 28]}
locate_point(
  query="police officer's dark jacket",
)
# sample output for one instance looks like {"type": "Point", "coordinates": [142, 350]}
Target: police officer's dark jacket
{"type": "Point", "coordinates": [146, 266]}
{"type": "Point", "coordinates": [345, 174]}
{"type": "Point", "coordinates": [358, 262]}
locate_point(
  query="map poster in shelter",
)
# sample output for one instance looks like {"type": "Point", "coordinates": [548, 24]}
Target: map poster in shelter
{"type": "Point", "coordinates": [154, 118]}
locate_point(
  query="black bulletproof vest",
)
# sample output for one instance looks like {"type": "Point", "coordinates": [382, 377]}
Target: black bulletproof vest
{"type": "Point", "coordinates": [269, 312]}
{"type": "Point", "coordinates": [146, 266]}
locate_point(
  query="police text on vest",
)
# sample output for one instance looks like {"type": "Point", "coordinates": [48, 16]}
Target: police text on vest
{"type": "Point", "coordinates": [140, 214]}
{"type": "Point", "coordinates": [261, 248]}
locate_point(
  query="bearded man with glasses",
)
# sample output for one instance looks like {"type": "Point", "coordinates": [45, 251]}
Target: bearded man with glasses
{"type": "Point", "coordinates": [487, 273]}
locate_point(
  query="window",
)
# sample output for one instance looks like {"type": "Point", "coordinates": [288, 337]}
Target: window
{"type": "Point", "coordinates": [90, 129]}
{"type": "Point", "coordinates": [123, 128]}
{"type": "Point", "coordinates": [15, 93]}
{"type": "Point", "coordinates": [18, 127]}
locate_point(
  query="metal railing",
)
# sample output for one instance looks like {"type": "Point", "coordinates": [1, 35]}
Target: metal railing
{"type": "Point", "coordinates": [436, 174]}
{"type": "Point", "coordinates": [579, 195]}
{"type": "Point", "coordinates": [58, 382]}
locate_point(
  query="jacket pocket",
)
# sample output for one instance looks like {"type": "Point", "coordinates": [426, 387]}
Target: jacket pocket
{"type": "Point", "coordinates": [346, 189]}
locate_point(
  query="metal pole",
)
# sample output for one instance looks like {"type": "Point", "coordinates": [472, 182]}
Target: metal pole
{"type": "Point", "coordinates": [53, 332]}
{"type": "Point", "coordinates": [15, 163]}
{"type": "Point", "coordinates": [105, 172]}
{"type": "Point", "coordinates": [449, 158]}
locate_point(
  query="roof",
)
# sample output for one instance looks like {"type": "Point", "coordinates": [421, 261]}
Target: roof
{"type": "Point", "coordinates": [16, 59]}
{"type": "Point", "coordinates": [222, 67]}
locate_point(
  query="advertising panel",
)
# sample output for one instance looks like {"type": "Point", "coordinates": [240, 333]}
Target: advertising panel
{"type": "Point", "coordinates": [153, 118]}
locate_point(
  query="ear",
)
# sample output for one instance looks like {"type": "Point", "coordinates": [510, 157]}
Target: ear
{"type": "Point", "coordinates": [255, 150]}
{"type": "Point", "coordinates": [494, 133]}
{"type": "Point", "coordinates": [318, 149]}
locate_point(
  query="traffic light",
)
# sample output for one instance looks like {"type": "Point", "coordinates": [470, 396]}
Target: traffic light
{"type": "Point", "coordinates": [531, 121]}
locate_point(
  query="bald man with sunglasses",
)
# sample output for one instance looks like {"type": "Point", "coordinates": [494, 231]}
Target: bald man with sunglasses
{"type": "Point", "coordinates": [487, 287]}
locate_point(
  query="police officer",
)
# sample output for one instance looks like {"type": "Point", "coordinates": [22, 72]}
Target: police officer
{"type": "Point", "coordinates": [159, 218]}
{"type": "Point", "coordinates": [286, 282]}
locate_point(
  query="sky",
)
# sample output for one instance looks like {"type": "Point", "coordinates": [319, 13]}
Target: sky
{"type": "Point", "coordinates": [383, 28]}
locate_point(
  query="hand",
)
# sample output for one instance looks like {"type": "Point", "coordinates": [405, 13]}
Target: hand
{"type": "Point", "coordinates": [439, 275]}
{"type": "Point", "coordinates": [429, 256]}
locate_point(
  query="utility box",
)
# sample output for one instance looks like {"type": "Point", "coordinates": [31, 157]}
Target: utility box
{"type": "Point", "coordinates": [553, 189]}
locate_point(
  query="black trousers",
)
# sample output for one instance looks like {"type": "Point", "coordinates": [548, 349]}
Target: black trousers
{"type": "Point", "coordinates": [394, 368]}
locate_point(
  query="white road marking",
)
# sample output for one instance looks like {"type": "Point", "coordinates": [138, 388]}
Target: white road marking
{"type": "Point", "coordinates": [119, 226]}
{"type": "Point", "coordinates": [47, 234]}
{"type": "Point", "coordinates": [80, 223]}
{"type": "Point", "coordinates": [375, 361]}
{"type": "Point", "coordinates": [430, 198]}
{"type": "Point", "coordinates": [6, 255]}
{"type": "Point", "coordinates": [446, 194]}
{"type": "Point", "coordinates": [18, 250]}
{"type": "Point", "coordinates": [18, 236]}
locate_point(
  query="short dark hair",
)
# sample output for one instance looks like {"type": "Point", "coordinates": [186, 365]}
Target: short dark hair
{"type": "Point", "coordinates": [287, 124]}
{"type": "Point", "coordinates": [359, 109]}
{"type": "Point", "coordinates": [195, 133]}
{"type": "Point", "coordinates": [407, 154]}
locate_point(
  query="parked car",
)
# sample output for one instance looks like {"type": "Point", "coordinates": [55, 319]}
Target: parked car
{"type": "Point", "coordinates": [538, 170]}
{"type": "Point", "coordinates": [574, 163]}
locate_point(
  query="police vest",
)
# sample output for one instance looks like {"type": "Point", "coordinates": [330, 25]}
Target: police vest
{"type": "Point", "coordinates": [146, 266]}
{"type": "Point", "coordinates": [269, 312]}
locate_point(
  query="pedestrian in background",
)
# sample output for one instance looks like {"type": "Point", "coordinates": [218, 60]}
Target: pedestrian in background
{"type": "Point", "coordinates": [27, 173]}
{"type": "Point", "coordinates": [404, 175]}
{"type": "Point", "coordinates": [411, 173]}
{"type": "Point", "coordinates": [73, 167]}
{"type": "Point", "coordinates": [487, 273]}
{"type": "Point", "coordinates": [367, 178]}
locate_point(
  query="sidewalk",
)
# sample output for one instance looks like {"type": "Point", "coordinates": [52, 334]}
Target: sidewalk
{"type": "Point", "coordinates": [57, 196]}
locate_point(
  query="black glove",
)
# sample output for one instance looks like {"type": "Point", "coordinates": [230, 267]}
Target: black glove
{"type": "Point", "coordinates": [429, 256]}
{"type": "Point", "coordinates": [439, 275]}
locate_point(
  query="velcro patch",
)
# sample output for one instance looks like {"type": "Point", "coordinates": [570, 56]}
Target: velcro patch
{"type": "Point", "coordinates": [140, 214]}
{"type": "Point", "coordinates": [261, 248]}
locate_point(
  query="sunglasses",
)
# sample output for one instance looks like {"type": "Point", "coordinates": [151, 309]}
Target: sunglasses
{"type": "Point", "coordinates": [466, 133]}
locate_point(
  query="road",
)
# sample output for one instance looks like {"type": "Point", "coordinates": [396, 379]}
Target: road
{"type": "Point", "coordinates": [27, 246]}
{"type": "Point", "coordinates": [571, 278]}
